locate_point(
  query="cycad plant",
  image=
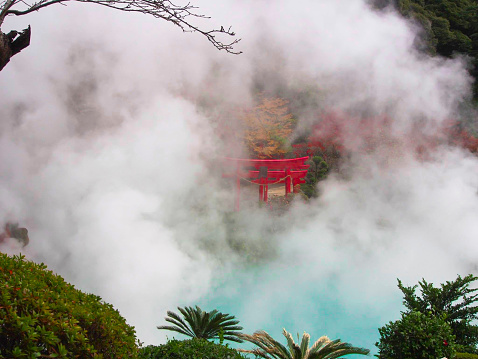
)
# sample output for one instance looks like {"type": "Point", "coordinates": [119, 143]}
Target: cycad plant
{"type": "Point", "coordinates": [197, 323]}
{"type": "Point", "coordinates": [323, 348]}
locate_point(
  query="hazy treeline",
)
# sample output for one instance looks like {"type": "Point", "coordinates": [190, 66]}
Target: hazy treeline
{"type": "Point", "coordinates": [449, 27]}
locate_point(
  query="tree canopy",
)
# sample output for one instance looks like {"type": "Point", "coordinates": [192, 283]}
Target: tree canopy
{"type": "Point", "coordinates": [416, 335]}
{"type": "Point", "coordinates": [453, 300]}
{"type": "Point", "coordinates": [267, 128]}
{"type": "Point", "coordinates": [438, 321]}
{"type": "Point", "coordinates": [450, 27]}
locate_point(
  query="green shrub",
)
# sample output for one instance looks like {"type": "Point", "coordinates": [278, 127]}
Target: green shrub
{"type": "Point", "coordinates": [43, 316]}
{"type": "Point", "coordinates": [454, 301]}
{"type": "Point", "coordinates": [466, 356]}
{"type": "Point", "coordinates": [189, 349]}
{"type": "Point", "coordinates": [416, 336]}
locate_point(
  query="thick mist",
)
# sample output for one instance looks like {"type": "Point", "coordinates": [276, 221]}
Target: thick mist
{"type": "Point", "coordinates": [109, 157]}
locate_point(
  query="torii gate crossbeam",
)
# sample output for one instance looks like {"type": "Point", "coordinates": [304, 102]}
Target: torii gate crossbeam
{"type": "Point", "coordinates": [289, 171]}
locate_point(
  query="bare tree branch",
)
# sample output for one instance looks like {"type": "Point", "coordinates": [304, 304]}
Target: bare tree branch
{"type": "Point", "coordinates": [6, 6]}
{"type": "Point", "coordinates": [179, 15]}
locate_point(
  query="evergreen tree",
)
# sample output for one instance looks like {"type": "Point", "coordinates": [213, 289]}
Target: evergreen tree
{"type": "Point", "coordinates": [454, 301]}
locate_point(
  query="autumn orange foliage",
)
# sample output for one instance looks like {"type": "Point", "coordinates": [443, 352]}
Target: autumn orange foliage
{"type": "Point", "coordinates": [267, 128]}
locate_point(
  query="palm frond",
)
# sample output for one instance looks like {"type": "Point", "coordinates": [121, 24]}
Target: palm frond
{"type": "Point", "coordinates": [174, 329]}
{"type": "Point", "coordinates": [304, 344]}
{"type": "Point", "coordinates": [179, 325]}
{"type": "Point", "coordinates": [332, 349]}
{"type": "Point", "coordinates": [319, 344]}
{"type": "Point", "coordinates": [268, 347]}
{"type": "Point", "coordinates": [323, 348]}
{"type": "Point", "coordinates": [191, 317]}
{"type": "Point", "coordinates": [294, 349]}
{"type": "Point", "coordinates": [342, 348]}
{"type": "Point", "coordinates": [197, 323]}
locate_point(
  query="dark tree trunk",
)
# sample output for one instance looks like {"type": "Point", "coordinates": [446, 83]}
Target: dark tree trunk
{"type": "Point", "coordinates": [5, 51]}
{"type": "Point", "coordinates": [11, 44]}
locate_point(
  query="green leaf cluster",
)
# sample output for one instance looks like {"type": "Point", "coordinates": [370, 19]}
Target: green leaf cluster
{"type": "Point", "coordinates": [206, 325]}
{"type": "Point", "coordinates": [454, 301]}
{"type": "Point", "coordinates": [416, 336]}
{"type": "Point", "coordinates": [189, 349]}
{"type": "Point", "coordinates": [41, 315]}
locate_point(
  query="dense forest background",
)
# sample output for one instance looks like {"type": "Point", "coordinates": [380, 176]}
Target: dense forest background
{"type": "Point", "coordinates": [449, 27]}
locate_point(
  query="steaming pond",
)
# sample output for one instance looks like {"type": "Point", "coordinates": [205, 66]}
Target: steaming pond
{"type": "Point", "coordinates": [273, 297]}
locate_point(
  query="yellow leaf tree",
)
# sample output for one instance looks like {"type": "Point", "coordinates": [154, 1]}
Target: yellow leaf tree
{"type": "Point", "coordinates": [267, 128]}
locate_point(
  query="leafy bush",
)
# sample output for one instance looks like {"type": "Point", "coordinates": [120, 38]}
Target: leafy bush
{"type": "Point", "coordinates": [43, 316]}
{"type": "Point", "coordinates": [418, 336]}
{"type": "Point", "coordinates": [189, 349]}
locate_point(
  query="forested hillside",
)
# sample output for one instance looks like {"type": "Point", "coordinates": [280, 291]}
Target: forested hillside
{"type": "Point", "coordinates": [450, 27]}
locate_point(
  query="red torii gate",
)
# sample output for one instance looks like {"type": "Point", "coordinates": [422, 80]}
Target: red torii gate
{"type": "Point", "coordinates": [289, 171]}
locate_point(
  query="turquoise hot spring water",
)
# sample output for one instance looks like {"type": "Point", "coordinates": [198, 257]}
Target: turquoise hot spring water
{"type": "Point", "coordinates": [274, 297]}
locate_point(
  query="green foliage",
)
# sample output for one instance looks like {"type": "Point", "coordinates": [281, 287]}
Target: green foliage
{"type": "Point", "coordinates": [450, 26]}
{"type": "Point", "coordinates": [309, 190]}
{"type": "Point", "coordinates": [323, 348]}
{"type": "Point", "coordinates": [189, 349]}
{"type": "Point", "coordinates": [43, 316]}
{"type": "Point", "coordinates": [454, 301]}
{"type": "Point", "coordinates": [416, 336]}
{"type": "Point", "coordinates": [206, 325]}
{"type": "Point", "coordinates": [318, 171]}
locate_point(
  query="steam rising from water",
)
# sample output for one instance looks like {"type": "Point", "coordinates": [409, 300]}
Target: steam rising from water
{"type": "Point", "coordinates": [106, 148]}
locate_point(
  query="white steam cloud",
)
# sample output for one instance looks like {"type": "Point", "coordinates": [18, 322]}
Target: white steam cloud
{"type": "Point", "coordinates": [106, 157]}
